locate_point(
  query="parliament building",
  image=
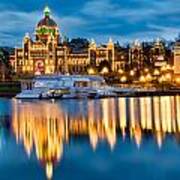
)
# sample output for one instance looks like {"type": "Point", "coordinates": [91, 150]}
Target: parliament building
{"type": "Point", "coordinates": [49, 54]}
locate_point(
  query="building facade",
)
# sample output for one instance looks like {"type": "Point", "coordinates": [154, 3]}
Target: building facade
{"type": "Point", "coordinates": [177, 58]}
{"type": "Point", "coordinates": [49, 54]}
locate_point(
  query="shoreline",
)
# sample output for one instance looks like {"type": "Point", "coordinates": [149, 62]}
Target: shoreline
{"type": "Point", "coordinates": [123, 94]}
{"type": "Point", "coordinates": [12, 88]}
{"type": "Point", "coordinates": [152, 93]}
{"type": "Point", "coordinates": [9, 89]}
{"type": "Point", "coordinates": [7, 95]}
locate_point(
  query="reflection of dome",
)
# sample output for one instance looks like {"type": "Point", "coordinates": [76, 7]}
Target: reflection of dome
{"type": "Point", "coordinates": [47, 21]}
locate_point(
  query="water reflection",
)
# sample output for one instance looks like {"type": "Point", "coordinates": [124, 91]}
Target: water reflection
{"type": "Point", "coordinates": [46, 126]}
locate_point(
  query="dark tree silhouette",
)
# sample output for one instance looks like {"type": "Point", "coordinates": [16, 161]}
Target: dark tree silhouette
{"type": "Point", "coordinates": [5, 67]}
{"type": "Point", "coordinates": [103, 64]}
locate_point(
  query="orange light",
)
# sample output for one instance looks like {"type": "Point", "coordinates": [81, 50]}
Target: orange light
{"type": "Point", "coordinates": [105, 70]}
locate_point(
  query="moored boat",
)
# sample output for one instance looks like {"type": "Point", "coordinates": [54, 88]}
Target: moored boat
{"type": "Point", "coordinates": [67, 86]}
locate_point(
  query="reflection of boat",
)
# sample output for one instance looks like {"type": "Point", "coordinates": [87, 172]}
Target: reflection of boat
{"type": "Point", "coordinates": [65, 86]}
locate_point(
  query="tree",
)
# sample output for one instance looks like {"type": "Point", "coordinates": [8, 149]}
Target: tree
{"type": "Point", "coordinates": [5, 68]}
{"type": "Point", "coordinates": [79, 44]}
{"type": "Point", "coordinates": [103, 64]}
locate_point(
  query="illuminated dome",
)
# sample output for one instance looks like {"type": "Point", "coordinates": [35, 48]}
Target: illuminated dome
{"type": "Point", "coordinates": [47, 21]}
{"type": "Point", "coordinates": [47, 28]}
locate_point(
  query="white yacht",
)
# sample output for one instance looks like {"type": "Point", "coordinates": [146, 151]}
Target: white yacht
{"type": "Point", "coordinates": [67, 86]}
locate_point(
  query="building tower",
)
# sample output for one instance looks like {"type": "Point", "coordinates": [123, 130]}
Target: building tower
{"type": "Point", "coordinates": [47, 40]}
{"type": "Point", "coordinates": [136, 55]}
{"type": "Point", "coordinates": [158, 54]}
{"type": "Point", "coordinates": [111, 53]}
{"type": "Point", "coordinates": [92, 53]}
{"type": "Point", "coordinates": [46, 28]}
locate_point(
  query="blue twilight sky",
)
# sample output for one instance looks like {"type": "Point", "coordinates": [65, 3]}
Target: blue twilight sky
{"type": "Point", "coordinates": [123, 20]}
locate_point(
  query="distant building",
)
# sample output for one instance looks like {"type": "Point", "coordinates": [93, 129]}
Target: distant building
{"type": "Point", "coordinates": [149, 54]}
{"type": "Point", "coordinates": [48, 54]}
{"type": "Point", "coordinates": [158, 54]}
{"type": "Point", "coordinates": [136, 57]}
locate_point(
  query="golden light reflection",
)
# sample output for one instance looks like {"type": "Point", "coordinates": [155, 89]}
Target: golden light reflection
{"type": "Point", "coordinates": [45, 127]}
{"type": "Point", "coordinates": [122, 116]}
{"type": "Point", "coordinates": [49, 170]}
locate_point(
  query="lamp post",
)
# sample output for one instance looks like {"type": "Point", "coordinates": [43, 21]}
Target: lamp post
{"type": "Point", "coordinates": [132, 73]}
{"type": "Point", "coordinates": [168, 77]}
{"type": "Point", "coordinates": [156, 72]}
{"type": "Point", "coordinates": [91, 71]}
{"type": "Point", "coordinates": [146, 70]}
{"type": "Point", "coordinates": [120, 71]}
{"type": "Point", "coordinates": [148, 77]}
{"type": "Point", "coordinates": [142, 79]}
{"type": "Point", "coordinates": [177, 81]}
{"type": "Point", "coordinates": [105, 70]}
{"type": "Point", "coordinates": [124, 79]}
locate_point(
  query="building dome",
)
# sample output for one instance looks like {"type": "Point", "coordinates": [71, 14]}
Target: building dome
{"type": "Point", "coordinates": [47, 28]}
{"type": "Point", "coordinates": [47, 20]}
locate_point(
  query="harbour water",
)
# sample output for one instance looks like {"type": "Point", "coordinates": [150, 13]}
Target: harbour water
{"type": "Point", "coordinates": [115, 138]}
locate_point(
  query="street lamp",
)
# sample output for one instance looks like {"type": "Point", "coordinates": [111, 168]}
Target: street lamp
{"type": "Point", "coordinates": [142, 79]}
{"type": "Point", "coordinates": [91, 71]}
{"type": "Point", "coordinates": [120, 71]}
{"type": "Point", "coordinates": [168, 77]}
{"type": "Point", "coordinates": [146, 70]}
{"type": "Point", "coordinates": [177, 80]}
{"type": "Point", "coordinates": [132, 73]}
{"type": "Point", "coordinates": [149, 77]}
{"type": "Point", "coordinates": [105, 70]}
{"type": "Point", "coordinates": [123, 79]}
{"type": "Point", "coordinates": [168, 67]}
{"type": "Point", "coordinates": [156, 72]}
{"type": "Point", "coordinates": [163, 68]}
{"type": "Point", "coordinates": [162, 79]}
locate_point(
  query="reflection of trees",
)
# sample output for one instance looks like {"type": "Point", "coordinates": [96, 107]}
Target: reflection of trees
{"type": "Point", "coordinates": [47, 126]}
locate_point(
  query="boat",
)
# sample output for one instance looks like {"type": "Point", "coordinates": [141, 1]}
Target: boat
{"type": "Point", "coordinates": [29, 94]}
{"type": "Point", "coordinates": [67, 86]}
